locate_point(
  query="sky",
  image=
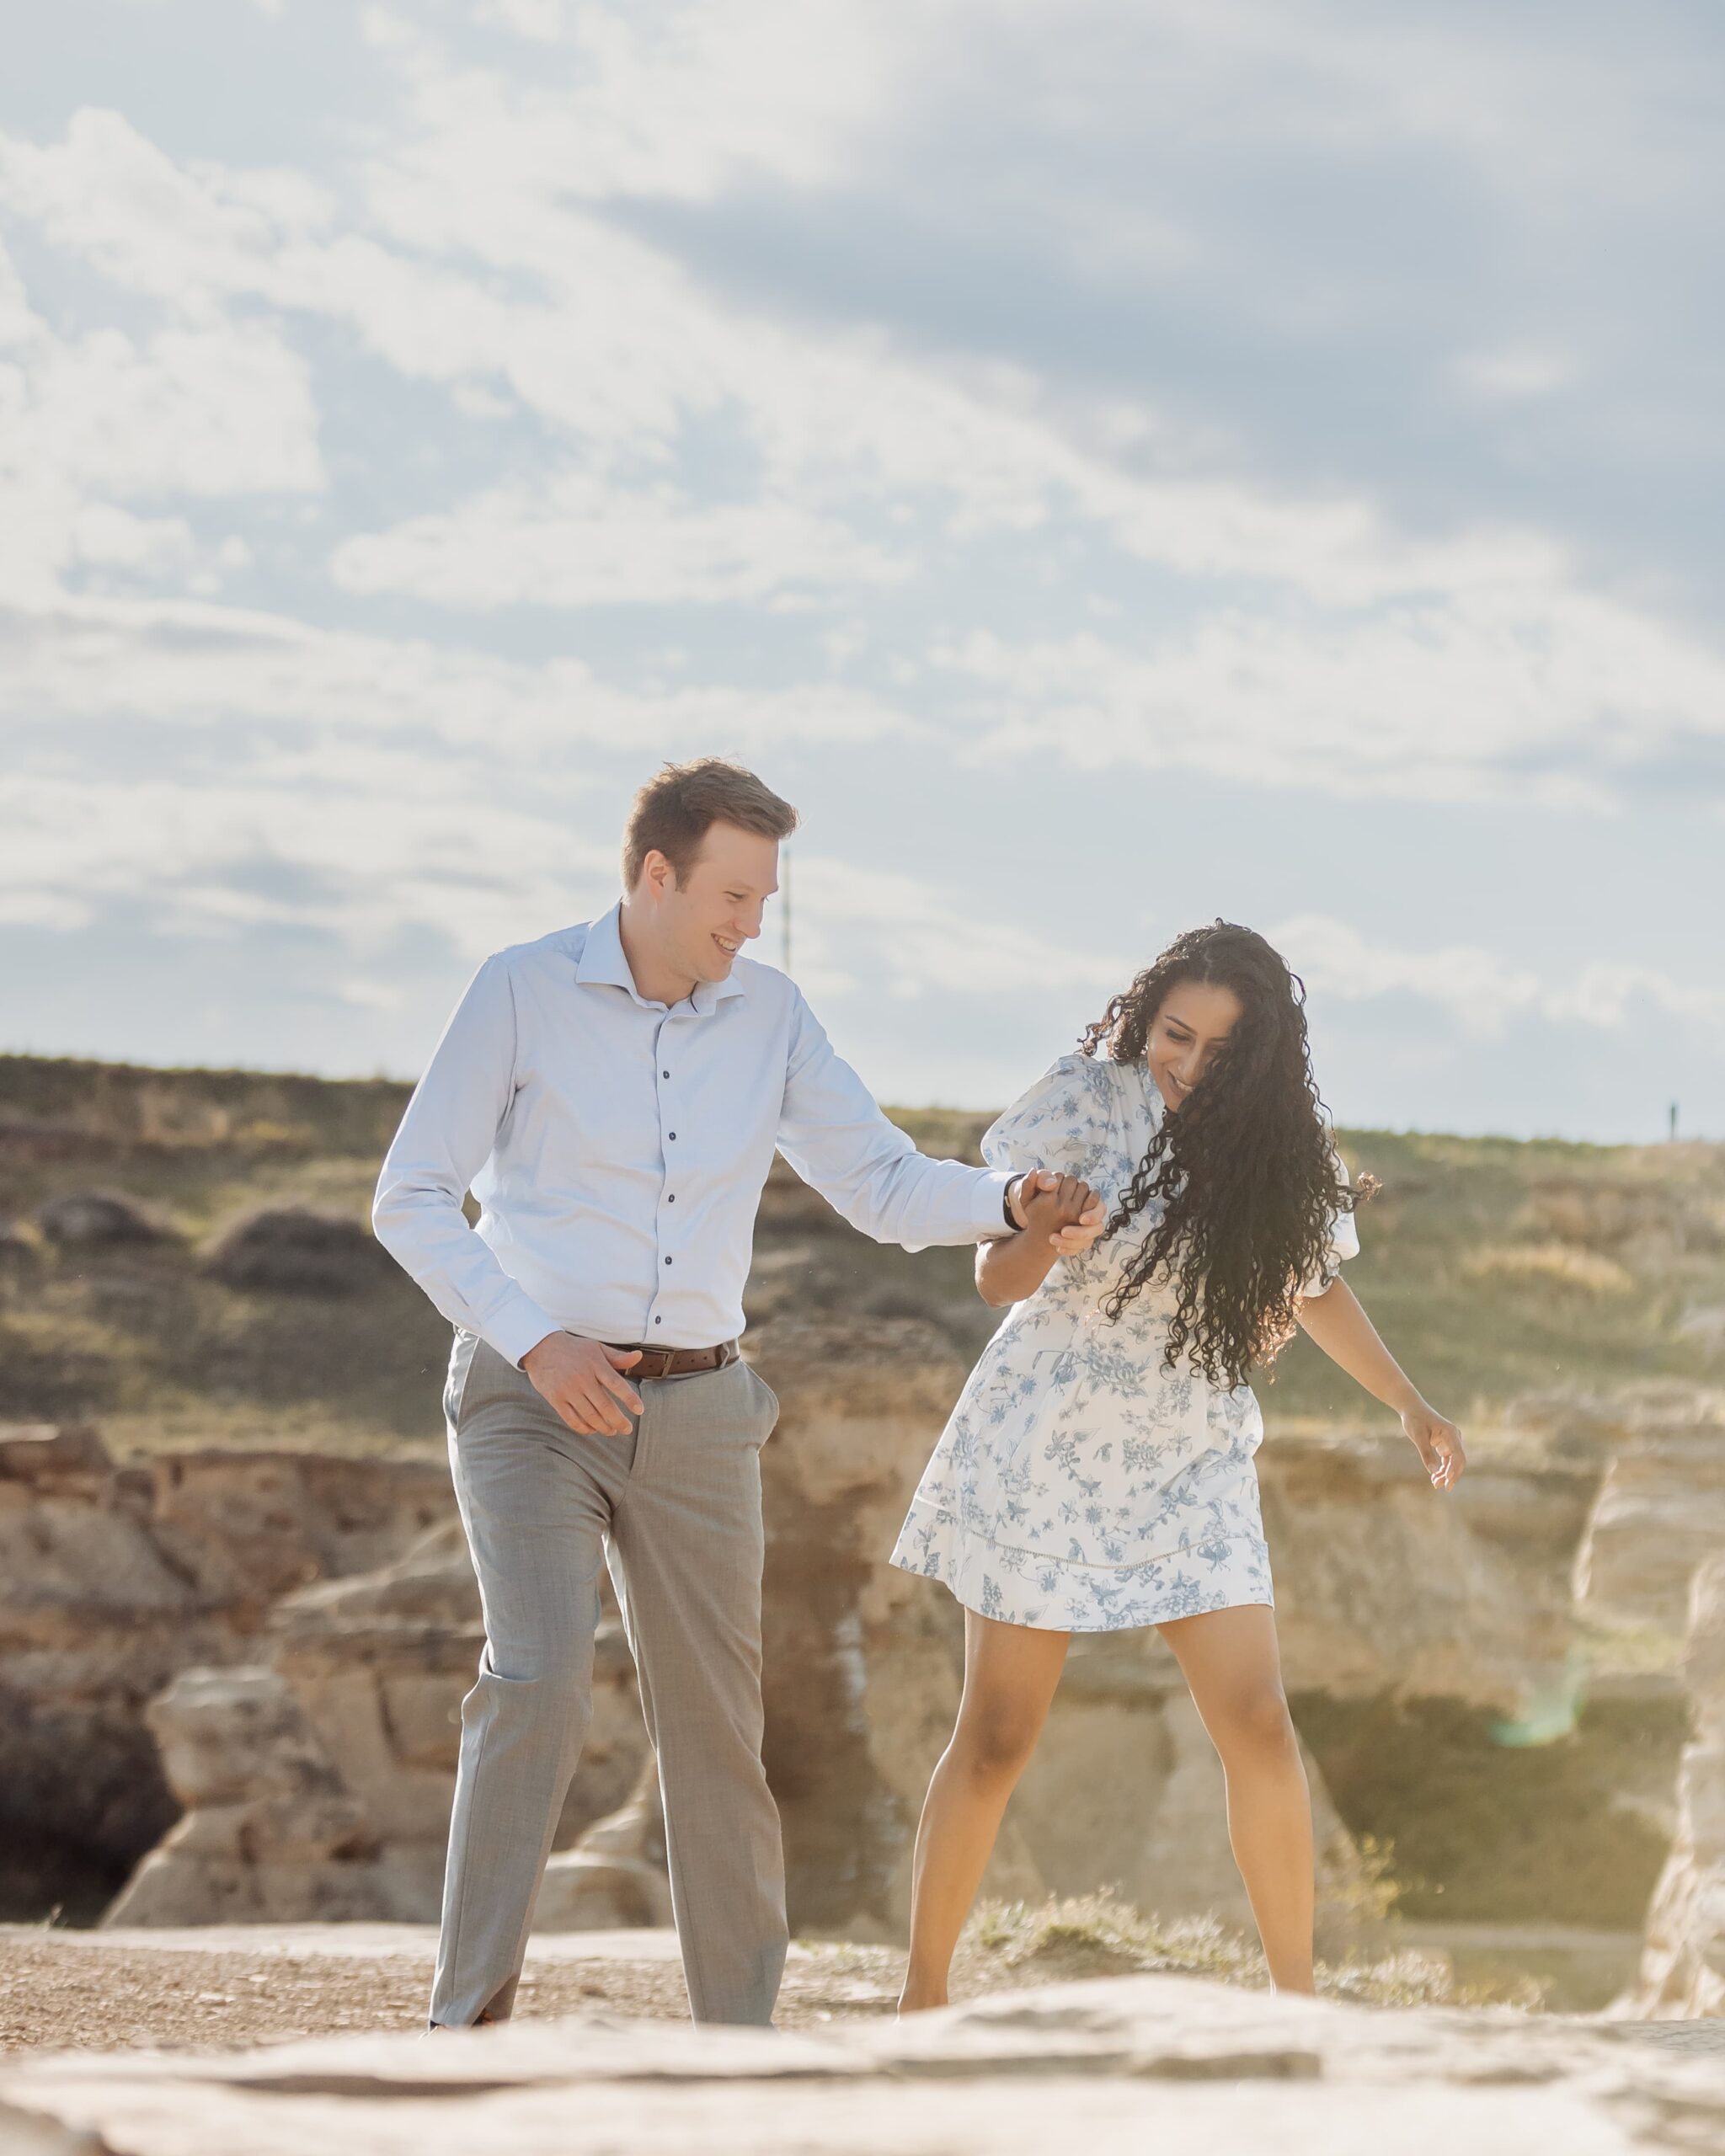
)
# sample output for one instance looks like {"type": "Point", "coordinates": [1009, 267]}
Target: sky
{"type": "Point", "coordinates": [1109, 466]}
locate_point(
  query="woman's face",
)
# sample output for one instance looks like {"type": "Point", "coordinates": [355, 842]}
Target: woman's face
{"type": "Point", "coordinates": [1195, 1019]}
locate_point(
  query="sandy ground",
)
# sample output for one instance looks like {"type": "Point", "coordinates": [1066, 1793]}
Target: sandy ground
{"type": "Point", "coordinates": [173, 1990]}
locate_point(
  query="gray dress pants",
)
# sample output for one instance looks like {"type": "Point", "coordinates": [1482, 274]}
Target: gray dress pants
{"type": "Point", "coordinates": [674, 1507]}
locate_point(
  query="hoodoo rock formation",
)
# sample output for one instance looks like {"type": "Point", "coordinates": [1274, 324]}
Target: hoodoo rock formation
{"type": "Point", "coordinates": [112, 1580]}
{"type": "Point", "coordinates": [318, 1786]}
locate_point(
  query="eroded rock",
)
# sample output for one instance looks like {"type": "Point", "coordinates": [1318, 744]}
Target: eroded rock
{"type": "Point", "coordinates": [1683, 1960]}
{"type": "Point", "coordinates": [1113, 2067]}
{"type": "Point", "coordinates": [863, 1664]}
{"type": "Point", "coordinates": [271, 1834]}
{"type": "Point", "coordinates": [112, 1580]}
{"type": "Point", "coordinates": [298, 1250]}
{"type": "Point", "coordinates": [98, 1219]}
{"type": "Point", "coordinates": [1659, 1514]}
{"type": "Point", "coordinates": [356, 1723]}
{"type": "Point", "coordinates": [614, 1877]}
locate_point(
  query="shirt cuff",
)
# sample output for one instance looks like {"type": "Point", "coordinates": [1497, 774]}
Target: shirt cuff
{"type": "Point", "coordinates": [518, 1327]}
{"type": "Point", "coordinates": [989, 1216]}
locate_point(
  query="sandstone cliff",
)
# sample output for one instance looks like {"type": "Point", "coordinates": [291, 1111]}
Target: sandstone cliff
{"type": "Point", "coordinates": [277, 1647]}
{"type": "Point", "coordinates": [1683, 1966]}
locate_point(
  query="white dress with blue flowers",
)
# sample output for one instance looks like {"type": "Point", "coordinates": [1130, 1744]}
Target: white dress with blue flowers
{"type": "Point", "coordinates": [1079, 1485]}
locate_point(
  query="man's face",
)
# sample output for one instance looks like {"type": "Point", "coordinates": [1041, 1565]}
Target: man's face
{"type": "Point", "coordinates": [703, 922]}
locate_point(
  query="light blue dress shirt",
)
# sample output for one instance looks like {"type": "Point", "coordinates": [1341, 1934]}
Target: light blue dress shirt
{"type": "Point", "coordinates": [617, 1149]}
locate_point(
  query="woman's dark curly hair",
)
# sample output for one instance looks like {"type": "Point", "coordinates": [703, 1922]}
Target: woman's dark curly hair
{"type": "Point", "coordinates": [1245, 1173]}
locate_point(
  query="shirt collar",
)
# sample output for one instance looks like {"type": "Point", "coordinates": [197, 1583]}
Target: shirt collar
{"type": "Point", "coordinates": [603, 962]}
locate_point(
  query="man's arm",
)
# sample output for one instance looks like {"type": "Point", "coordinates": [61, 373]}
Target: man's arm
{"type": "Point", "coordinates": [451, 1125]}
{"type": "Point", "coordinates": [835, 1136]}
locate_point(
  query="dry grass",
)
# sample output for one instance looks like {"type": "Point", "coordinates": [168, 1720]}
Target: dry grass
{"type": "Point", "coordinates": [1569, 1265]}
{"type": "Point", "coordinates": [1099, 1935]}
{"type": "Point", "coordinates": [1494, 1268]}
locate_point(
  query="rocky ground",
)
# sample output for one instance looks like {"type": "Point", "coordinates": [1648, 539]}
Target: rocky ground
{"type": "Point", "coordinates": [1114, 2065]}
{"type": "Point", "coordinates": [247, 1984]}
{"type": "Point", "coordinates": [239, 1984]}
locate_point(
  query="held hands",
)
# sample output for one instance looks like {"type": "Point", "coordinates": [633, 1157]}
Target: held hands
{"type": "Point", "coordinates": [580, 1379]}
{"type": "Point", "coordinates": [1062, 1209]}
{"type": "Point", "coordinates": [1438, 1442]}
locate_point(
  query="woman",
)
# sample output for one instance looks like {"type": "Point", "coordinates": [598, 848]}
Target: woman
{"type": "Point", "coordinates": [1097, 1470]}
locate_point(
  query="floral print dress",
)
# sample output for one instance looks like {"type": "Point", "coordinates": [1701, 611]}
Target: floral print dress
{"type": "Point", "coordinates": [1079, 1485]}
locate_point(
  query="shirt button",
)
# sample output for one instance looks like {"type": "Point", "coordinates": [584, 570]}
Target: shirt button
{"type": "Point", "coordinates": [664, 1074]}
{"type": "Point", "coordinates": [673, 1134]}
{"type": "Point", "coordinates": [667, 1261]}
{"type": "Point", "coordinates": [659, 1321]}
{"type": "Point", "coordinates": [671, 1198]}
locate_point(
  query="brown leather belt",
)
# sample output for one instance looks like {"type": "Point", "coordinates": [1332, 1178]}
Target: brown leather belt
{"type": "Point", "coordinates": [674, 1362]}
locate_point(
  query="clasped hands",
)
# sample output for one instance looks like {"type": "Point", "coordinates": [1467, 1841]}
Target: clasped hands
{"type": "Point", "coordinates": [1064, 1209]}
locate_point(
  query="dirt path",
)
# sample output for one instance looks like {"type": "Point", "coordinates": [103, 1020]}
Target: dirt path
{"type": "Point", "coordinates": [114, 1991]}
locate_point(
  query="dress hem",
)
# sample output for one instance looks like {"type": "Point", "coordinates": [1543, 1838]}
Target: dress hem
{"type": "Point", "coordinates": [933, 1545]}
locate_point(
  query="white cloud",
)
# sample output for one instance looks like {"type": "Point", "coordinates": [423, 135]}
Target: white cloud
{"type": "Point", "coordinates": [543, 21]}
{"type": "Point", "coordinates": [362, 847]}
{"type": "Point", "coordinates": [1526, 690]}
{"type": "Point", "coordinates": [110, 537]}
{"type": "Point", "coordinates": [181, 232]}
{"type": "Point", "coordinates": [1483, 991]}
{"type": "Point", "coordinates": [622, 351]}
{"type": "Point", "coordinates": [1515, 375]}
{"type": "Point", "coordinates": [185, 663]}
{"type": "Point", "coordinates": [1608, 995]}
{"type": "Point", "coordinates": [963, 330]}
{"type": "Point", "coordinates": [581, 541]}
{"type": "Point", "coordinates": [211, 409]}
{"type": "Point", "coordinates": [919, 936]}
{"type": "Point", "coordinates": [671, 101]}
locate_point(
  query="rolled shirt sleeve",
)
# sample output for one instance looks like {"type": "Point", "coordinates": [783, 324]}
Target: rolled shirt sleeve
{"type": "Point", "coordinates": [445, 1137]}
{"type": "Point", "coordinates": [835, 1136]}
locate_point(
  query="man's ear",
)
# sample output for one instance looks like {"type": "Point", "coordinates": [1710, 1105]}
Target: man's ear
{"type": "Point", "coordinates": [658, 875]}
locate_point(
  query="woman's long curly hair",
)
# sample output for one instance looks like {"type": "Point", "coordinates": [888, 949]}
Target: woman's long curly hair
{"type": "Point", "coordinates": [1245, 1173]}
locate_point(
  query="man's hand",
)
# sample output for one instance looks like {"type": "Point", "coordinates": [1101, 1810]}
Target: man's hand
{"type": "Point", "coordinates": [1063, 1208]}
{"type": "Point", "coordinates": [580, 1380]}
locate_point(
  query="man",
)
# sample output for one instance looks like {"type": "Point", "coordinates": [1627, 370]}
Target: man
{"type": "Point", "coordinates": [613, 1094]}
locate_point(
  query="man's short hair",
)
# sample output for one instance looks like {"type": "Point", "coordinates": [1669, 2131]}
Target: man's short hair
{"type": "Point", "coordinates": [680, 804]}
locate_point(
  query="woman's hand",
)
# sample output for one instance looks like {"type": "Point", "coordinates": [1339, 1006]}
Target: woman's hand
{"type": "Point", "coordinates": [1059, 1215]}
{"type": "Point", "coordinates": [1062, 1210]}
{"type": "Point", "coordinates": [1438, 1442]}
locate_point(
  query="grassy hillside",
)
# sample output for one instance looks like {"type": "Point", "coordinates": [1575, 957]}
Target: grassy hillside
{"type": "Point", "coordinates": [1493, 1268]}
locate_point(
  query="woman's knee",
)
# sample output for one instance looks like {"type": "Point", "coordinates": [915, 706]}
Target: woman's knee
{"type": "Point", "coordinates": [996, 1736]}
{"type": "Point", "coordinates": [1254, 1723]}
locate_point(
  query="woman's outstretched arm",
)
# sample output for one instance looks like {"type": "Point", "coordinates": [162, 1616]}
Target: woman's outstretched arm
{"type": "Point", "coordinates": [1336, 1321]}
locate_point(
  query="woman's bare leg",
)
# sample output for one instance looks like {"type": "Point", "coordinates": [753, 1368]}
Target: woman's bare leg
{"type": "Point", "coordinates": [1011, 1671]}
{"type": "Point", "coordinates": [1231, 1661]}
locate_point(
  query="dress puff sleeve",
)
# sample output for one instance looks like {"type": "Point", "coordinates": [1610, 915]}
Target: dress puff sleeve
{"type": "Point", "coordinates": [1060, 1123]}
{"type": "Point", "coordinates": [1344, 1243]}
